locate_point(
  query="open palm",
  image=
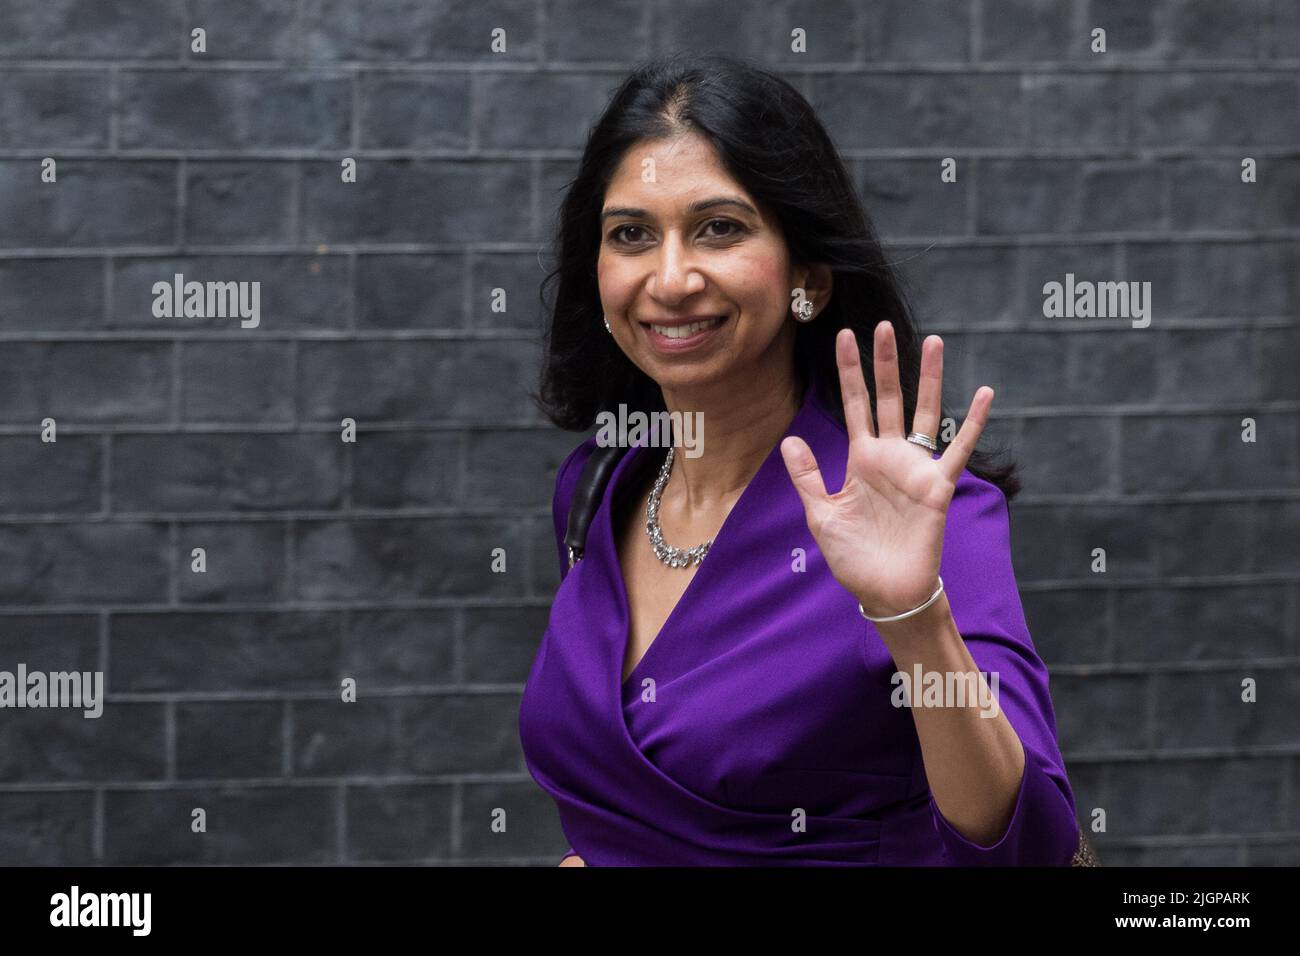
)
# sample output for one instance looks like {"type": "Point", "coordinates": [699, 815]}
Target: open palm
{"type": "Point", "coordinates": [882, 532]}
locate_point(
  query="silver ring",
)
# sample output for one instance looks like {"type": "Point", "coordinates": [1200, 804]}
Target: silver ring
{"type": "Point", "coordinates": [925, 440]}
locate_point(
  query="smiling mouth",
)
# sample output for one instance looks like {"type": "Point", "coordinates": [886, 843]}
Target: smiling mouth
{"type": "Point", "coordinates": [685, 331]}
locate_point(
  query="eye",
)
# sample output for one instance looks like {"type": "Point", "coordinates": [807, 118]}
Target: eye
{"type": "Point", "coordinates": [735, 227]}
{"type": "Point", "coordinates": [619, 237]}
{"type": "Point", "coordinates": [617, 232]}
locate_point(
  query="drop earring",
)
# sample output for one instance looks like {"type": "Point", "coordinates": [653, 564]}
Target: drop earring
{"type": "Point", "coordinates": [607, 328]}
{"type": "Point", "coordinates": [803, 312]}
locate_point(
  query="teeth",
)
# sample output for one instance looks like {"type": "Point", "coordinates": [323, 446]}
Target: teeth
{"type": "Point", "coordinates": [685, 331]}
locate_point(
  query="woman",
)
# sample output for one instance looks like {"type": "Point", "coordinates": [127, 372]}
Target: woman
{"type": "Point", "coordinates": [720, 680]}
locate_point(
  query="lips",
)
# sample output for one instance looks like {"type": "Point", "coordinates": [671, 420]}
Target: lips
{"type": "Point", "coordinates": [684, 335]}
{"type": "Point", "coordinates": [680, 331]}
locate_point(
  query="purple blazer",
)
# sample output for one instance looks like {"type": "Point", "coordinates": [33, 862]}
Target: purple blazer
{"type": "Point", "coordinates": [767, 692]}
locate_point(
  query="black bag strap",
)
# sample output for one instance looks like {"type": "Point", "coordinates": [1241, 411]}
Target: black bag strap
{"type": "Point", "coordinates": [587, 495]}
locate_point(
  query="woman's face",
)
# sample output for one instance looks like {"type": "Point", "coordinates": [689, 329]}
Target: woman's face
{"type": "Point", "coordinates": [681, 238]}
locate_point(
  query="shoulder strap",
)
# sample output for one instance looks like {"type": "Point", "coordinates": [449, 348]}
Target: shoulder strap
{"type": "Point", "coordinates": [587, 495]}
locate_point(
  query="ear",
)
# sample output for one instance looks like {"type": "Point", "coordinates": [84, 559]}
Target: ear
{"type": "Point", "coordinates": [817, 282]}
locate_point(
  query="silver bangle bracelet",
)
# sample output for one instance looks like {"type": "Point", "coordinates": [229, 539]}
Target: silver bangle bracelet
{"type": "Point", "coordinates": [898, 617]}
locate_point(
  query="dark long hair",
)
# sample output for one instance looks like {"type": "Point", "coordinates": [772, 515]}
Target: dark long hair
{"type": "Point", "coordinates": [770, 140]}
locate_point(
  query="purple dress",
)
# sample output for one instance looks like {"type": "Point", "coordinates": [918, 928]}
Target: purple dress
{"type": "Point", "coordinates": [766, 697]}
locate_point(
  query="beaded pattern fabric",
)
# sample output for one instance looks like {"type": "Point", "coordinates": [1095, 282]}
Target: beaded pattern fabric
{"type": "Point", "coordinates": [1084, 854]}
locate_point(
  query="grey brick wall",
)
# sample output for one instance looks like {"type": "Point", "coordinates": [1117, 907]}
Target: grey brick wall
{"type": "Point", "coordinates": [328, 560]}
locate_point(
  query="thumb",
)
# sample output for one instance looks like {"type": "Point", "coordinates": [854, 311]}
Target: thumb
{"type": "Point", "coordinates": [804, 473]}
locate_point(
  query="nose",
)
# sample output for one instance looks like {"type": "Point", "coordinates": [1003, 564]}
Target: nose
{"type": "Point", "coordinates": [675, 274]}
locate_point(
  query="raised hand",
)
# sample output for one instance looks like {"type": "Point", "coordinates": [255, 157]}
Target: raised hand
{"type": "Point", "coordinates": [882, 532]}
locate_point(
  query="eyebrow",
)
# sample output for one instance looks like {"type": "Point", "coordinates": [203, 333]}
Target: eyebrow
{"type": "Point", "coordinates": [695, 207]}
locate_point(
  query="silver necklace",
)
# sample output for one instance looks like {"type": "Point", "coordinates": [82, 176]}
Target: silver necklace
{"type": "Point", "coordinates": [673, 557]}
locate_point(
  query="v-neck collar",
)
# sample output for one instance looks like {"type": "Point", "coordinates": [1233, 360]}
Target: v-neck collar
{"type": "Point", "coordinates": [771, 476]}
